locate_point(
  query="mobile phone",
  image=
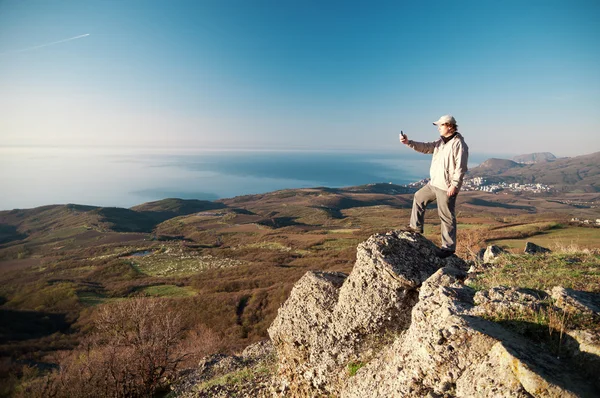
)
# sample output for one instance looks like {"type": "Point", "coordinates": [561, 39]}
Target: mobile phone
{"type": "Point", "coordinates": [402, 133]}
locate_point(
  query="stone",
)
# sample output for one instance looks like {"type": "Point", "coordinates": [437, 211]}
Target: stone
{"type": "Point", "coordinates": [258, 351]}
{"type": "Point", "coordinates": [532, 248]}
{"type": "Point", "coordinates": [449, 352]}
{"type": "Point", "coordinates": [331, 320]}
{"type": "Point", "coordinates": [220, 365]}
{"type": "Point", "coordinates": [479, 267]}
{"type": "Point", "coordinates": [491, 253]}
{"type": "Point", "coordinates": [575, 301]}
{"type": "Point", "coordinates": [480, 254]}
{"type": "Point", "coordinates": [502, 299]}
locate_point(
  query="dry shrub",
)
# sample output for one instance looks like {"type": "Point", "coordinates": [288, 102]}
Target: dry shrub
{"type": "Point", "coordinates": [573, 248]}
{"type": "Point", "coordinates": [470, 241]}
{"type": "Point", "coordinates": [136, 349]}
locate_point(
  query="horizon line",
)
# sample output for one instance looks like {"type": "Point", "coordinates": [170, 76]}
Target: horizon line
{"type": "Point", "coordinates": [226, 149]}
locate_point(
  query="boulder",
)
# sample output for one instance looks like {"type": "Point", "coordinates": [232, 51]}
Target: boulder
{"type": "Point", "coordinates": [491, 253]}
{"type": "Point", "coordinates": [331, 320]}
{"type": "Point", "coordinates": [449, 352]}
{"type": "Point", "coordinates": [532, 248]}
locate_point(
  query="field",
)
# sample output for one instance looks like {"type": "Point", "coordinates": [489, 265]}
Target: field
{"type": "Point", "coordinates": [556, 238]}
{"type": "Point", "coordinates": [227, 266]}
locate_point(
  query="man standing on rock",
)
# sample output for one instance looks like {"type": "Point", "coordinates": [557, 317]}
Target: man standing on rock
{"type": "Point", "coordinates": [448, 168]}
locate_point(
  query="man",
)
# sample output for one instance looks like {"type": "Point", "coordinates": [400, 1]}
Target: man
{"type": "Point", "coordinates": [448, 168]}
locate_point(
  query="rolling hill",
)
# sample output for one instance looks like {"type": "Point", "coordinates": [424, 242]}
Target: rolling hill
{"type": "Point", "coordinates": [576, 174]}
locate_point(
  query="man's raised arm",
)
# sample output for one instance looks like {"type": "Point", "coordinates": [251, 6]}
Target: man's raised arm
{"type": "Point", "coordinates": [423, 147]}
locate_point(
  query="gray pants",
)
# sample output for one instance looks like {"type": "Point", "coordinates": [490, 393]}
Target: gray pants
{"type": "Point", "coordinates": [445, 205]}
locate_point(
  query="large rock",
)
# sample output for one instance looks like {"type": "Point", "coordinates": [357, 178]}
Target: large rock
{"type": "Point", "coordinates": [331, 320]}
{"type": "Point", "coordinates": [449, 352]}
{"type": "Point", "coordinates": [406, 320]}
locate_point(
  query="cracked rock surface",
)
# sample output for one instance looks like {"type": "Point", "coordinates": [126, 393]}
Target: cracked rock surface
{"type": "Point", "coordinates": [409, 327]}
{"type": "Point", "coordinates": [331, 320]}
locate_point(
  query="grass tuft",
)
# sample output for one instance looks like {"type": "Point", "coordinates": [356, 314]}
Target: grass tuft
{"type": "Point", "coordinates": [353, 367]}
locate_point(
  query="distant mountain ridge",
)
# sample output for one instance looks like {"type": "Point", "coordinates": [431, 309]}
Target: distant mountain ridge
{"type": "Point", "coordinates": [532, 158]}
{"type": "Point", "coordinates": [576, 174]}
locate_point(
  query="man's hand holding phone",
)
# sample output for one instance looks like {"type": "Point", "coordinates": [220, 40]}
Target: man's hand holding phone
{"type": "Point", "coordinates": [403, 138]}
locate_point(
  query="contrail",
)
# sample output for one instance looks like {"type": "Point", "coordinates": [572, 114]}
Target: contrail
{"type": "Point", "coordinates": [46, 45]}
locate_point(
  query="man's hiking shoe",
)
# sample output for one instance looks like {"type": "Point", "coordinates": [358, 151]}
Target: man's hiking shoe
{"type": "Point", "coordinates": [408, 228]}
{"type": "Point", "coordinates": [443, 253]}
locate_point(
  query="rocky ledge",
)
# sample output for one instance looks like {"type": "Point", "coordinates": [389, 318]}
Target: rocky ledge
{"type": "Point", "coordinates": [404, 324]}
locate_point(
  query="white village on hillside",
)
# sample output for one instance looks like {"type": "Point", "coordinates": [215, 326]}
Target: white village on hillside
{"type": "Point", "coordinates": [481, 184]}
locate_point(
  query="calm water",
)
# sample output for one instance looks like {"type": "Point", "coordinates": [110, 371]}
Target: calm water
{"type": "Point", "coordinates": [31, 177]}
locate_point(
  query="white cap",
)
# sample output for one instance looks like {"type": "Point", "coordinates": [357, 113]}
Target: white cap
{"type": "Point", "coordinates": [446, 119]}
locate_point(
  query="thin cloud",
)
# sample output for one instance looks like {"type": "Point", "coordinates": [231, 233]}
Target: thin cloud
{"type": "Point", "coordinates": [46, 45]}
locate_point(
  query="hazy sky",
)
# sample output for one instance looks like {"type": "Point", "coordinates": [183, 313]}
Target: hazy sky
{"type": "Point", "coordinates": [519, 76]}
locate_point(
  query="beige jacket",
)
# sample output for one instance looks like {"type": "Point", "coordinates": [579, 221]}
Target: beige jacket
{"type": "Point", "coordinates": [449, 163]}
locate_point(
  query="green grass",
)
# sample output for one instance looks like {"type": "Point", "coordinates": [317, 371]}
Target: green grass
{"type": "Point", "coordinates": [168, 291]}
{"type": "Point", "coordinates": [65, 233]}
{"type": "Point", "coordinates": [579, 271]}
{"type": "Point", "coordinates": [236, 378]}
{"type": "Point", "coordinates": [90, 299]}
{"type": "Point", "coordinates": [468, 226]}
{"type": "Point", "coordinates": [555, 238]}
{"type": "Point", "coordinates": [353, 367]}
{"type": "Point", "coordinates": [533, 227]}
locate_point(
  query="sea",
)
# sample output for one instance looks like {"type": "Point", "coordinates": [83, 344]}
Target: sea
{"type": "Point", "coordinates": [125, 177]}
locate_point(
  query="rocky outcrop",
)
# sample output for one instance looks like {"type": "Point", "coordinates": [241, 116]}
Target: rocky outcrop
{"type": "Point", "coordinates": [331, 320]}
{"type": "Point", "coordinates": [450, 351]}
{"type": "Point", "coordinates": [407, 322]}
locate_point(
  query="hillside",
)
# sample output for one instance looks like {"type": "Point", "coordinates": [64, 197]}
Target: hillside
{"type": "Point", "coordinates": [576, 174]}
{"type": "Point", "coordinates": [227, 266]}
{"type": "Point", "coordinates": [164, 209]}
{"type": "Point", "coordinates": [21, 223]}
{"type": "Point", "coordinates": [406, 323]}
{"type": "Point", "coordinates": [493, 167]}
{"type": "Point", "coordinates": [537, 157]}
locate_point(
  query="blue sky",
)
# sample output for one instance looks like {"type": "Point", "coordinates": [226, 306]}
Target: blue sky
{"type": "Point", "coordinates": [519, 76]}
